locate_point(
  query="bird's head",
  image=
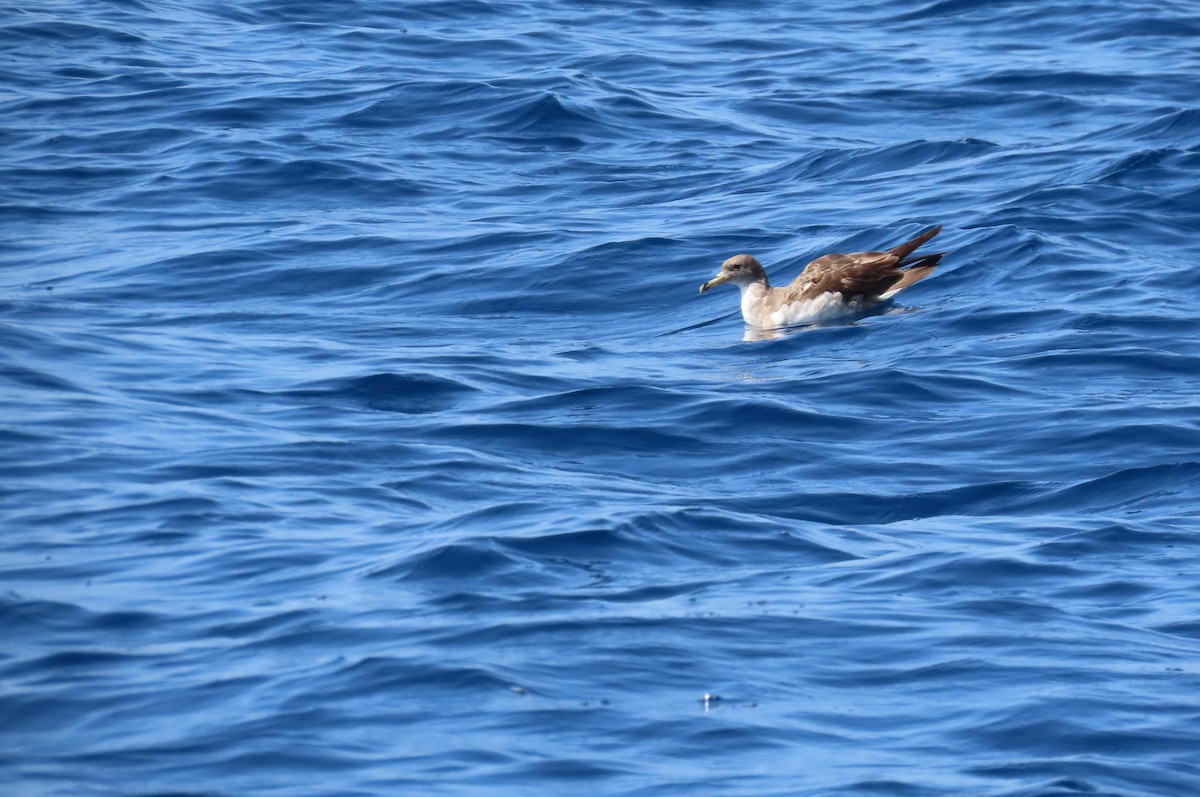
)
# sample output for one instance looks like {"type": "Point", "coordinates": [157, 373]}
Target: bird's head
{"type": "Point", "coordinates": [741, 270]}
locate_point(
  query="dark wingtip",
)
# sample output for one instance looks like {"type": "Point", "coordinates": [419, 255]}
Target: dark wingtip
{"type": "Point", "coordinates": [908, 247]}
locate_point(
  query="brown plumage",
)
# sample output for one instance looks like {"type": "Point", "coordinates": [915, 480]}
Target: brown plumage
{"type": "Point", "coordinates": [849, 281]}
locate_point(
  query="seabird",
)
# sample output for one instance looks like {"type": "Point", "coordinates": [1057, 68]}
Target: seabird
{"type": "Point", "coordinates": [832, 285]}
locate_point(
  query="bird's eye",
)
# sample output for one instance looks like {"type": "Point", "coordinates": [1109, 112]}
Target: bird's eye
{"type": "Point", "coordinates": [737, 266]}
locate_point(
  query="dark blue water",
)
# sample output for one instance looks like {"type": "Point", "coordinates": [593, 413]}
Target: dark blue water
{"type": "Point", "coordinates": [364, 433]}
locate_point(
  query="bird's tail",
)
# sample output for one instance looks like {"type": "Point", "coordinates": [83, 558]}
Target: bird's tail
{"type": "Point", "coordinates": [921, 268]}
{"type": "Point", "coordinates": [905, 249]}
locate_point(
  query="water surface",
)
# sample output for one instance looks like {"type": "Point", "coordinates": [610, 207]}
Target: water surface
{"type": "Point", "coordinates": [364, 432]}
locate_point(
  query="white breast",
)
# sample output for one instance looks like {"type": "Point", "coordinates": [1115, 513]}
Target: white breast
{"type": "Point", "coordinates": [758, 311]}
{"type": "Point", "coordinates": [755, 308]}
{"type": "Point", "coordinates": [825, 307]}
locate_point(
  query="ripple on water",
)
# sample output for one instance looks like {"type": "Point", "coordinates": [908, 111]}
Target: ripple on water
{"type": "Point", "coordinates": [364, 433]}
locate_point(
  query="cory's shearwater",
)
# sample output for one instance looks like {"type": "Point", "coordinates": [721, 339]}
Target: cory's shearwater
{"type": "Point", "coordinates": [829, 286]}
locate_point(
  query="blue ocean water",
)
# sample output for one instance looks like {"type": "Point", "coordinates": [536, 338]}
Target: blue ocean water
{"type": "Point", "coordinates": [364, 433]}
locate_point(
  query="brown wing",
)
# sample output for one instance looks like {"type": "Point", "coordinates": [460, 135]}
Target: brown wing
{"type": "Point", "coordinates": [868, 274]}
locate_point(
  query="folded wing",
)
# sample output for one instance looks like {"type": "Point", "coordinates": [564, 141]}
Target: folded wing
{"type": "Point", "coordinates": [870, 275]}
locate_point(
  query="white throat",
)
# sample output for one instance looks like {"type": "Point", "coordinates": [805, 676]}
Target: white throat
{"type": "Point", "coordinates": [754, 303]}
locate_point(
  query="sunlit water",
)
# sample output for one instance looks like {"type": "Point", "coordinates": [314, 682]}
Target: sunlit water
{"type": "Point", "coordinates": [364, 433]}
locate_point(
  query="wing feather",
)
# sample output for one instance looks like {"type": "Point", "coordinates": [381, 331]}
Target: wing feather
{"type": "Point", "coordinates": [867, 274]}
{"type": "Point", "coordinates": [870, 275]}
